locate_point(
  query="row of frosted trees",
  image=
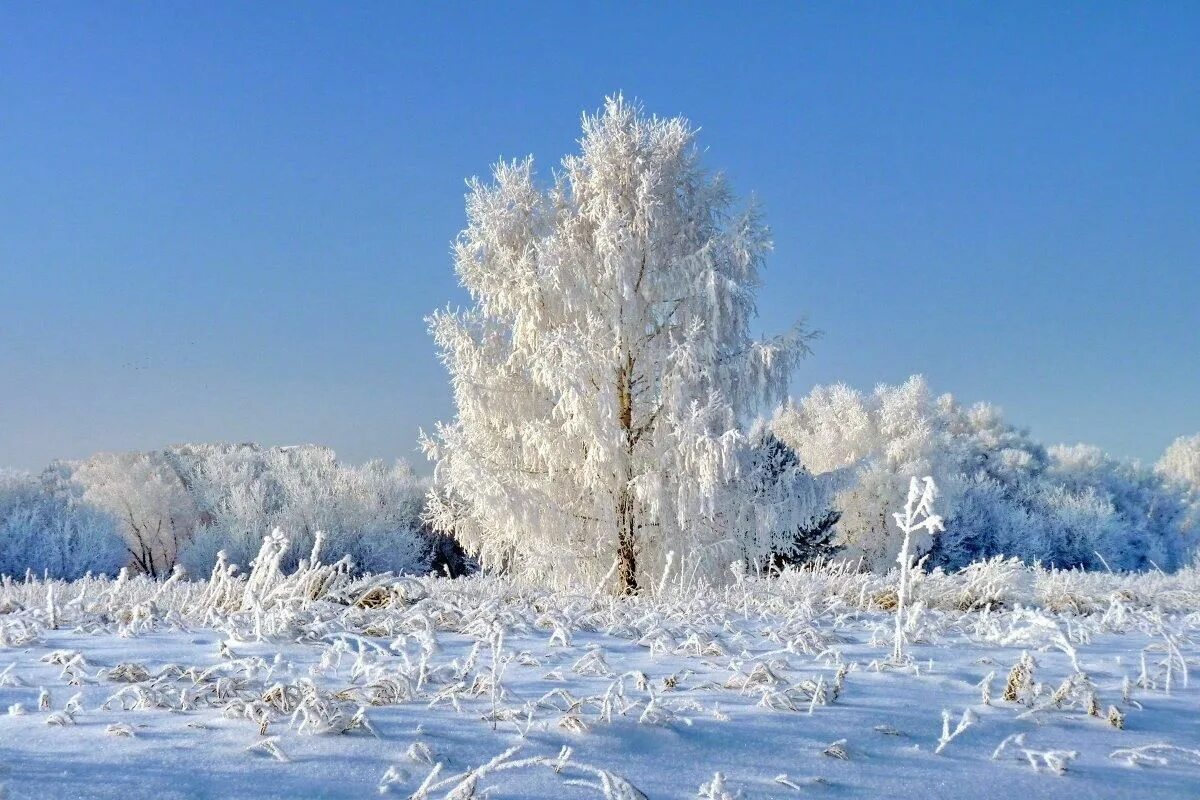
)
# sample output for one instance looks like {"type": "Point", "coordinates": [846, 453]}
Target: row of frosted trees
{"type": "Point", "coordinates": [152, 511]}
{"type": "Point", "coordinates": [1000, 491]}
{"type": "Point", "coordinates": [820, 479]}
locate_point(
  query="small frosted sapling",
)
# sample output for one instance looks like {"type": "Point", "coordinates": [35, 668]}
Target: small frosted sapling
{"type": "Point", "coordinates": [917, 516]}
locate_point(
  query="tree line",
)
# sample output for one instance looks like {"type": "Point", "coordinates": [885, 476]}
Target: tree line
{"type": "Point", "coordinates": [618, 425]}
{"type": "Point", "coordinates": [181, 506]}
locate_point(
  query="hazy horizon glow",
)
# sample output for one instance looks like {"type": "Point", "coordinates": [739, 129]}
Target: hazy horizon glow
{"type": "Point", "coordinates": [226, 223]}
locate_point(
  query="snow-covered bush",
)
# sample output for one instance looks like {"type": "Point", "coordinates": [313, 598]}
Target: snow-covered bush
{"type": "Point", "coordinates": [46, 528]}
{"type": "Point", "coordinates": [1002, 493]}
{"type": "Point", "coordinates": [371, 513]}
{"type": "Point", "coordinates": [602, 376]}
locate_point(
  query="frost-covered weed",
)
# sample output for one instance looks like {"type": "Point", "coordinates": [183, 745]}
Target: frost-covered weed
{"type": "Point", "coordinates": [917, 516]}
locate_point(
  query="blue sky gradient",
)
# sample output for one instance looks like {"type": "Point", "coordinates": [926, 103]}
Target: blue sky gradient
{"type": "Point", "coordinates": [226, 221]}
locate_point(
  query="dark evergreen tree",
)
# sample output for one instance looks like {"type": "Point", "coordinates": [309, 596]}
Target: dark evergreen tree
{"type": "Point", "coordinates": [777, 479]}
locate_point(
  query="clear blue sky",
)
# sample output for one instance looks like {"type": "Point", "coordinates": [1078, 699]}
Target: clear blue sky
{"type": "Point", "coordinates": [225, 221]}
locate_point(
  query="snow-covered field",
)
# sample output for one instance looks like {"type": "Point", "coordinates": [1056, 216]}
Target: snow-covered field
{"type": "Point", "coordinates": [315, 685]}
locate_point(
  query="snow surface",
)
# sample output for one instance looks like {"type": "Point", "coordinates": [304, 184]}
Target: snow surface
{"type": "Point", "coordinates": [651, 695]}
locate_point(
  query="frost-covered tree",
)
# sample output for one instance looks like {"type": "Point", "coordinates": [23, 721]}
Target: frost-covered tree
{"type": "Point", "coordinates": [157, 514]}
{"type": "Point", "coordinates": [46, 528]}
{"type": "Point", "coordinates": [603, 372]}
{"type": "Point", "coordinates": [1180, 465]}
{"type": "Point", "coordinates": [1181, 462]}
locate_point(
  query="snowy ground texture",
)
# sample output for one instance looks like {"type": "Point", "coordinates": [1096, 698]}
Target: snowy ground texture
{"type": "Point", "coordinates": [1021, 683]}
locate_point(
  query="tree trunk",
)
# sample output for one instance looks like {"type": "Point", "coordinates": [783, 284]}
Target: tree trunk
{"type": "Point", "coordinates": [626, 524]}
{"type": "Point", "coordinates": [626, 554]}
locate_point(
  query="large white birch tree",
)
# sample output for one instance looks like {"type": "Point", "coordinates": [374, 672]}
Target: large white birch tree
{"type": "Point", "coordinates": [604, 373]}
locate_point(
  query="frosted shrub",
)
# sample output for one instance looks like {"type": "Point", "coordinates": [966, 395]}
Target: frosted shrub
{"type": "Point", "coordinates": [994, 583]}
{"type": "Point", "coordinates": [370, 513]}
